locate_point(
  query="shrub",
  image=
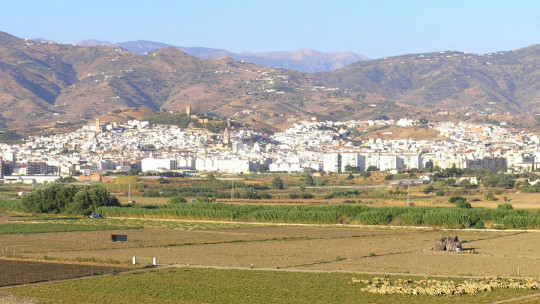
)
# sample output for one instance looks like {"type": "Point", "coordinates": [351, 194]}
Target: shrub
{"type": "Point", "coordinates": [203, 200]}
{"type": "Point", "coordinates": [265, 195]}
{"type": "Point", "coordinates": [479, 225]}
{"type": "Point", "coordinates": [439, 193]}
{"type": "Point", "coordinates": [505, 206]}
{"type": "Point", "coordinates": [465, 184]}
{"type": "Point", "coordinates": [429, 189]}
{"type": "Point", "coordinates": [463, 204]}
{"type": "Point", "coordinates": [177, 200]}
{"type": "Point", "coordinates": [365, 174]}
{"type": "Point", "coordinates": [489, 196]}
{"type": "Point", "coordinates": [306, 195]}
{"type": "Point", "coordinates": [456, 199]}
{"type": "Point", "coordinates": [293, 195]}
{"type": "Point", "coordinates": [277, 182]}
{"type": "Point", "coordinates": [151, 193]}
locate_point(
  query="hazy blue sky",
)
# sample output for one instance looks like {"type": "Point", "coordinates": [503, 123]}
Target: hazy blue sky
{"type": "Point", "coordinates": [375, 28]}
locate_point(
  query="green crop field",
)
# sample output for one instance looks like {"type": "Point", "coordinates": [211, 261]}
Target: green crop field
{"type": "Point", "coordinates": [339, 213]}
{"type": "Point", "coordinates": [195, 285]}
{"type": "Point", "coordinates": [29, 228]}
{"type": "Point", "coordinates": [24, 224]}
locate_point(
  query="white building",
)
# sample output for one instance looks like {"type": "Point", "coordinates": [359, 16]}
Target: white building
{"type": "Point", "coordinates": [153, 164]}
{"type": "Point", "coordinates": [332, 162]}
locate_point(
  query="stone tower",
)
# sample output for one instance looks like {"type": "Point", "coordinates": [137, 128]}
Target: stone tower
{"type": "Point", "coordinates": [98, 126]}
{"type": "Point", "coordinates": [226, 138]}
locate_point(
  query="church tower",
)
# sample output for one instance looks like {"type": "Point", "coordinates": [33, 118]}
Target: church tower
{"type": "Point", "coordinates": [98, 126]}
{"type": "Point", "coordinates": [226, 138]}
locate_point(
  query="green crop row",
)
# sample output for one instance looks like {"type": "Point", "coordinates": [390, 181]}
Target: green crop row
{"type": "Point", "coordinates": [332, 214]}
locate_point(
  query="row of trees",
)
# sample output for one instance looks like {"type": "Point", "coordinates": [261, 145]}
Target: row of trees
{"type": "Point", "coordinates": [68, 199]}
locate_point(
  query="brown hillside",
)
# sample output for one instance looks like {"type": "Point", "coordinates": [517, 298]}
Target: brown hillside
{"type": "Point", "coordinates": [42, 84]}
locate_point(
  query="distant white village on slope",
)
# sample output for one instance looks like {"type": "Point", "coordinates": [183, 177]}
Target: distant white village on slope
{"type": "Point", "coordinates": [309, 146]}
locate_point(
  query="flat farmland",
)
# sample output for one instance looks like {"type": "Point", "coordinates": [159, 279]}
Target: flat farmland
{"type": "Point", "coordinates": [300, 247]}
{"type": "Point", "coordinates": [302, 263]}
{"type": "Point", "coordinates": [198, 285]}
{"type": "Point", "coordinates": [15, 272]}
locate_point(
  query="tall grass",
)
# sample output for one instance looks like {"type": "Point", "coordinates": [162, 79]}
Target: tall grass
{"type": "Point", "coordinates": [332, 214]}
{"type": "Point", "coordinates": [11, 205]}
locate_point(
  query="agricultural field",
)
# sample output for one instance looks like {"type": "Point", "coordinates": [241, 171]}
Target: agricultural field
{"type": "Point", "coordinates": [284, 256]}
{"type": "Point", "coordinates": [200, 285]}
{"type": "Point", "coordinates": [17, 272]}
{"type": "Point", "coordinates": [339, 241]}
{"type": "Point", "coordinates": [280, 246]}
{"type": "Point", "coordinates": [360, 250]}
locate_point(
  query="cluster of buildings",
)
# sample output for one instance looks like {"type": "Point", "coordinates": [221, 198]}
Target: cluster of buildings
{"type": "Point", "coordinates": [307, 146]}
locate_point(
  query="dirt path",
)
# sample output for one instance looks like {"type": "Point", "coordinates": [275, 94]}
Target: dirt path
{"type": "Point", "coordinates": [532, 298]}
{"type": "Point", "coordinates": [288, 269]}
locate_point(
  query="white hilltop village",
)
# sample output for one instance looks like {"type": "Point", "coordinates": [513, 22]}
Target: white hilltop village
{"type": "Point", "coordinates": [308, 146]}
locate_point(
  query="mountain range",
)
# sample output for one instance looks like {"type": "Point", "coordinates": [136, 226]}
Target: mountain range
{"type": "Point", "coordinates": [302, 60]}
{"type": "Point", "coordinates": [47, 84]}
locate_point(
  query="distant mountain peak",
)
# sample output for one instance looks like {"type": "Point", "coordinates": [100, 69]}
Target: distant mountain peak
{"type": "Point", "coordinates": [303, 59]}
{"type": "Point", "coordinates": [92, 42]}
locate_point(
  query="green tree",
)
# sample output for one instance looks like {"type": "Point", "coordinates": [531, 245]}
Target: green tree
{"type": "Point", "coordinates": [489, 196]}
{"type": "Point", "coordinates": [429, 189]}
{"type": "Point", "coordinates": [466, 184]}
{"type": "Point", "coordinates": [460, 202]}
{"type": "Point", "coordinates": [263, 168]}
{"type": "Point", "coordinates": [350, 176]}
{"type": "Point", "coordinates": [372, 168]}
{"type": "Point", "coordinates": [365, 174]}
{"type": "Point", "coordinates": [277, 182]}
{"type": "Point", "coordinates": [67, 179]}
{"type": "Point", "coordinates": [67, 199]}
{"type": "Point", "coordinates": [309, 180]}
{"type": "Point", "coordinates": [10, 137]}
{"type": "Point", "coordinates": [449, 182]}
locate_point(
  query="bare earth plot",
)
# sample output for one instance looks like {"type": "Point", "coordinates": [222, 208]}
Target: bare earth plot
{"type": "Point", "coordinates": [293, 264]}
{"type": "Point", "coordinates": [342, 249]}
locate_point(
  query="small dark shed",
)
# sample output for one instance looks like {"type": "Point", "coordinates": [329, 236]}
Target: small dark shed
{"type": "Point", "coordinates": [119, 237]}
